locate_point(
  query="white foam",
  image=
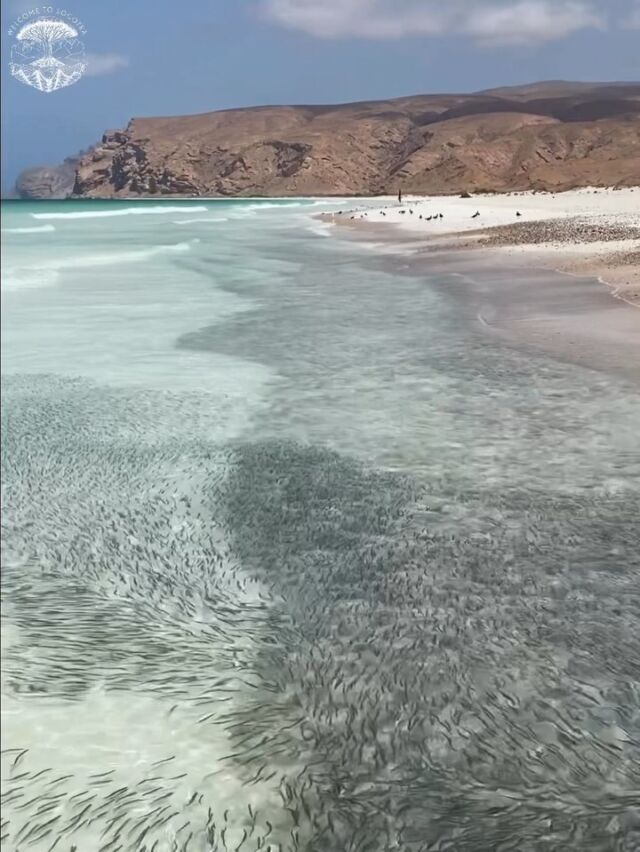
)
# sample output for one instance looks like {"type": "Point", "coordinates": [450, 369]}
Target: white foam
{"type": "Point", "coordinates": [126, 211]}
{"type": "Point", "coordinates": [204, 219]}
{"type": "Point", "coordinates": [245, 211]}
{"type": "Point", "coordinates": [118, 257]}
{"type": "Point", "coordinates": [268, 205]}
{"type": "Point", "coordinates": [321, 229]}
{"type": "Point", "coordinates": [46, 274]}
{"type": "Point", "coordinates": [37, 229]}
{"type": "Point", "coordinates": [28, 279]}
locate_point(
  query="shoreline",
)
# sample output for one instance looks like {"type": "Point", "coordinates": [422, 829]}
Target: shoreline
{"type": "Point", "coordinates": [587, 232]}
{"type": "Point", "coordinates": [549, 302]}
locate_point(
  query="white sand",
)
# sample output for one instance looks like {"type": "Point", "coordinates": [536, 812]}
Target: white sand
{"type": "Point", "coordinates": [602, 208]}
{"type": "Point", "coordinates": [606, 206]}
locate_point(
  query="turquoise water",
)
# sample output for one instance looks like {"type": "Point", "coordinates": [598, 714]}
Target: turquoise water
{"type": "Point", "coordinates": [296, 555]}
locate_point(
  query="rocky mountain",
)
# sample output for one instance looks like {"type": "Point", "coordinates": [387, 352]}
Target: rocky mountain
{"type": "Point", "coordinates": [48, 181]}
{"type": "Point", "coordinates": [546, 136]}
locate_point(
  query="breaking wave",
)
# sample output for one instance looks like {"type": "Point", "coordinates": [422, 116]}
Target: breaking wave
{"type": "Point", "coordinates": [38, 229]}
{"type": "Point", "coordinates": [202, 219]}
{"type": "Point", "coordinates": [127, 211]}
{"type": "Point", "coordinates": [46, 274]}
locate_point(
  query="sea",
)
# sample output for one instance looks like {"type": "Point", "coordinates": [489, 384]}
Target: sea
{"type": "Point", "coordinates": [296, 554]}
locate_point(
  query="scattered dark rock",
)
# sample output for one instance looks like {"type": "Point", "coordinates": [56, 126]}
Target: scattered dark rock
{"type": "Point", "coordinates": [573, 231]}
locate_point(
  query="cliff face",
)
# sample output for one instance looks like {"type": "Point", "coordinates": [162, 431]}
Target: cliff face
{"type": "Point", "coordinates": [46, 181]}
{"type": "Point", "coordinates": [49, 181]}
{"type": "Point", "coordinates": [548, 136]}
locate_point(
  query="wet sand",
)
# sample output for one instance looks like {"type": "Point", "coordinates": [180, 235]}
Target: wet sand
{"type": "Point", "coordinates": [571, 317]}
{"type": "Point", "coordinates": [590, 232]}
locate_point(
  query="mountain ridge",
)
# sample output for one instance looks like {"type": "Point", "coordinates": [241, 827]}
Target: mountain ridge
{"type": "Point", "coordinates": [551, 135]}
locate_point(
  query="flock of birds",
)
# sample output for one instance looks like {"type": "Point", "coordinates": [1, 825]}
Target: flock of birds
{"type": "Point", "coordinates": [403, 212]}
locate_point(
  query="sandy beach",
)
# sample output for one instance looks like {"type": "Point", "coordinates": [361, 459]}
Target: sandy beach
{"type": "Point", "coordinates": [528, 267]}
{"type": "Point", "coordinates": [587, 232]}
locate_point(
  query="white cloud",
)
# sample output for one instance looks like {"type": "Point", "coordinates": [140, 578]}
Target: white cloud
{"type": "Point", "coordinates": [496, 21]}
{"type": "Point", "coordinates": [99, 64]}
{"type": "Point", "coordinates": [632, 21]}
{"type": "Point", "coordinates": [366, 18]}
{"type": "Point", "coordinates": [531, 20]}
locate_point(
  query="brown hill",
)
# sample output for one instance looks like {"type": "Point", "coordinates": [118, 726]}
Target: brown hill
{"type": "Point", "coordinates": [559, 89]}
{"type": "Point", "coordinates": [544, 136]}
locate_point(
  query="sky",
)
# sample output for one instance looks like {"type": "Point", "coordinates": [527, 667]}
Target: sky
{"type": "Point", "coordinates": [163, 57]}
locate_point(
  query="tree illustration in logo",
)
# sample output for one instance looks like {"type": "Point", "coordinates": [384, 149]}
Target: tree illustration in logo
{"type": "Point", "coordinates": [48, 55]}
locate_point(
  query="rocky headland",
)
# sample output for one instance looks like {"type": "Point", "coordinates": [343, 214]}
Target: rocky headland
{"type": "Point", "coordinates": [546, 136]}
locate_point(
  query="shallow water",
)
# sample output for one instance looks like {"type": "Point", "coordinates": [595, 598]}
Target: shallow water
{"type": "Point", "coordinates": [298, 556]}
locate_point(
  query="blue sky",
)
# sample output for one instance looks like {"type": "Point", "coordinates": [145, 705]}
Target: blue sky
{"type": "Point", "coordinates": [162, 57]}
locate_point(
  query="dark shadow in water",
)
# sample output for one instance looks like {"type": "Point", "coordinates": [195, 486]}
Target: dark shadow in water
{"type": "Point", "coordinates": [444, 652]}
{"type": "Point", "coordinates": [467, 688]}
